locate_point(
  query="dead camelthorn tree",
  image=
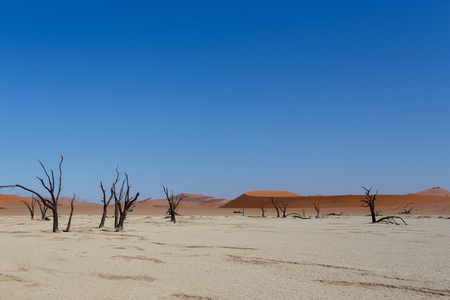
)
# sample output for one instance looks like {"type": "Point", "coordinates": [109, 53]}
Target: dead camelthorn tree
{"type": "Point", "coordinates": [406, 211]}
{"type": "Point", "coordinates": [275, 204]}
{"type": "Point", "coordinates": [283, 208]}
{"type": "Point", "coordinates": [105, 201]}
{"type": "Point", "coordinates": [124, 203]}
{"type": "Point", "coordinates": [317, 208]}
{"type": "Point", "coordinates": [30, 206]}
{"type": "Point", "coordinates": [369, 201]}
{"type": "Point", "coordinates": [263, 209]}
{"type": "Point", "coordinates": [43, 210]}
{"type": "Point", "coordinates": [53, 188]}
{"type": "Point", "coordinates": [71, 213]}
{"type": "Point", "coordinates": [173, 201]}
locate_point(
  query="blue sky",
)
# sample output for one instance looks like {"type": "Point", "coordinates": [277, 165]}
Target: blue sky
{"type": "Point", "coordinates": [225, 97]}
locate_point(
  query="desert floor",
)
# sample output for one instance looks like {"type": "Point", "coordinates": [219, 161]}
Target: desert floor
{"type": "Point", "coordinates": [220, 257]}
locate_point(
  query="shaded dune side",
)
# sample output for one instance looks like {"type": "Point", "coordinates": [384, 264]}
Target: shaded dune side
{"type": "Point", "coordinates": [247, 201]}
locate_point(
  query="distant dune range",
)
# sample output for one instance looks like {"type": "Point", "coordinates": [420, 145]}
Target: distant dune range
{"type": "Point", "coordinates": [253, 199]}
{"type": "Point", "coordinates": [434, 201]}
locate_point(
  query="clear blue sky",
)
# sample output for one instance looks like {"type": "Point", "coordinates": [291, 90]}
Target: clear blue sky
{"type": "Point", "coordinates": [224, 97]}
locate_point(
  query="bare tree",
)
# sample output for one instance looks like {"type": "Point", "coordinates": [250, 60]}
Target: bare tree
{"type": "Point", "coordinates": [53, 187]}
{"type": "Point", "coordinates": [43, 210]}
{"type": "Point", "coordinates": [263, 209]}
{"type": "Point", "coordinates": [275, 204]}
{"type": "Point", "coordinates": [391, 220]}
{"type": "Point", "coordinates": [369, 201]}
{"type": "Point", "coordinates": [124, 203]}
{"type": "Point", "coordinates": [71, 213]}
{"type": "Point", "coordinates": [105, 201]}
{"type": "Point", "coordinates": [30, 206]}
{"type": "Point", "coordinates": [283, 208]}
{"type": "Point", "coordinates": [173, 201]}
{"type": "Point", "coordinates": [317, 208]}
{"type": "Point", "coordinates": [406, 211]}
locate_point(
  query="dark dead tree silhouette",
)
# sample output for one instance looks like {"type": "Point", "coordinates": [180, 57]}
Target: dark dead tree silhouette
{"type": "Point", "coordinates": [406, 211]}
{"type": "Point", "coordinates": [369, 201]}
{"type": "Point", "coordinates": [30, 206]}
{"type": "Point", "coordinates": [317, 208]}
{"type": "Point", "coordinates": [263, 209]}
{"type": "Point", "coordinates": [105, 201]}
{"type": "Point", "coordinates": [391, 220]}
{"type": "Point", "coordinates": [43, 210]}
{"type": "Point", "coordinates": [71, 213]}
{"type": "Point", "coordinates": [124, 203]}
{"type": "Point", "coordinates": [173, 201]}
{"type": "Point", "coordinates": [53, 187]}
{"type": "Point", "coordinates": [275, 204]}
{"type": "Point", "coordinates": [283, 208]}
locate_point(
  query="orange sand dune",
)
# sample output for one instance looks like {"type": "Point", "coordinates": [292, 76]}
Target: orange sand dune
{"type": "Point", "coordinates": [394, 203]}
{"type": "Point", "coordinates": [8, 200]}
{"type": "Point", "coordinates": [189, 200]}
{"type": "Point", "coordinates": [277, 194]}
{"type": "Point", "coordinates": [436, 191]}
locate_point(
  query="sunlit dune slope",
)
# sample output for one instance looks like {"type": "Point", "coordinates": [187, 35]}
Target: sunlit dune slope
{"type": "Point", "coordinates": [8, 200]}
{"type": "Point", "coordinates": [436, 191]}
{"type": "Point", "coordinates": [189, 200]}
{"type": "Point", "coordinates": [254, 198]}
{"type": "Point", "coordinates": [248, 201]}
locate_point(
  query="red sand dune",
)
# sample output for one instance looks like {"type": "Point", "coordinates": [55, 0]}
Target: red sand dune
{"type": "Point", "coordinates": [436, 191]}
{"type": "Point", "coordinates": [190, 200]}
{"type": "Point", "coordinates": [394, 203]}
{"type": "Point", "coordinates": [8, 200]}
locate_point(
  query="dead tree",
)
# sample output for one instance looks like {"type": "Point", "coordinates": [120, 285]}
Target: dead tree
{"type": "Point", "coordinates": [124, 203]}
{"type": "Point", "coordinates": [173, 201]}
{"type": "Point", "coordinates": [105, 201]}
{"type": "Point", "coordinates": [406, 211]}
{"type": "Point", "coordinates": [391, 220]}
{"type": "Point", "coordinates": [43, 210]}
{"type": "Point", "coordinates": [369, 201]}
{"type": "Point", "coordinates": [317, 208]}
{"type": "Point", "coordinates": [277, 208]}
{"type": "Point", "coordinates": [30, 206]}
{"type": "Point", "coordinates": [284, 208]}
{"type": "Point", "coordinates": [298, 216]}
{"type": "Point", "coordinates": [53, 188]}
{"type": "Point", "coordinates": [263, 209]}
{"type": "Point", "coordinates": [71, 213]}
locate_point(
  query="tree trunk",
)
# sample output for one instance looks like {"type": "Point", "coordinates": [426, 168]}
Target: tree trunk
{"type": "Point", "coordinates": [102, 222]}
{"type": "Point", "coordinates": [122, 218]}
{"type": "Point", "coordinates": [172, 214]}
{"type": "Point", "coordinates": [116, 215]}
{"type": "Point", "coordinates": [70, 218]}
{"type": "Point", "coordinates": [55, 218]}
{"type": "Point", "coordinates": [372, 212]}
{"type": "Point", "coordinates": [275, 204]}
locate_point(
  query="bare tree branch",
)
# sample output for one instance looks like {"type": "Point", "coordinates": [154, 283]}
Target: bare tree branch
{"type": "Point", "coordinates": [51, 204]}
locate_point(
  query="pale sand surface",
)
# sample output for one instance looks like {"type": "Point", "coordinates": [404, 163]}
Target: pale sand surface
{"type": "Point", "coordinates": [219, 257]}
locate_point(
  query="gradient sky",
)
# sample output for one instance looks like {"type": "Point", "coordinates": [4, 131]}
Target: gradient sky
{"type": "Point", "coordinates": [225, 97]}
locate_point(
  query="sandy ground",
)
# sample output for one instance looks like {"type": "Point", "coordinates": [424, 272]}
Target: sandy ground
{"type": "Point", "coordinates": [220, 257]}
